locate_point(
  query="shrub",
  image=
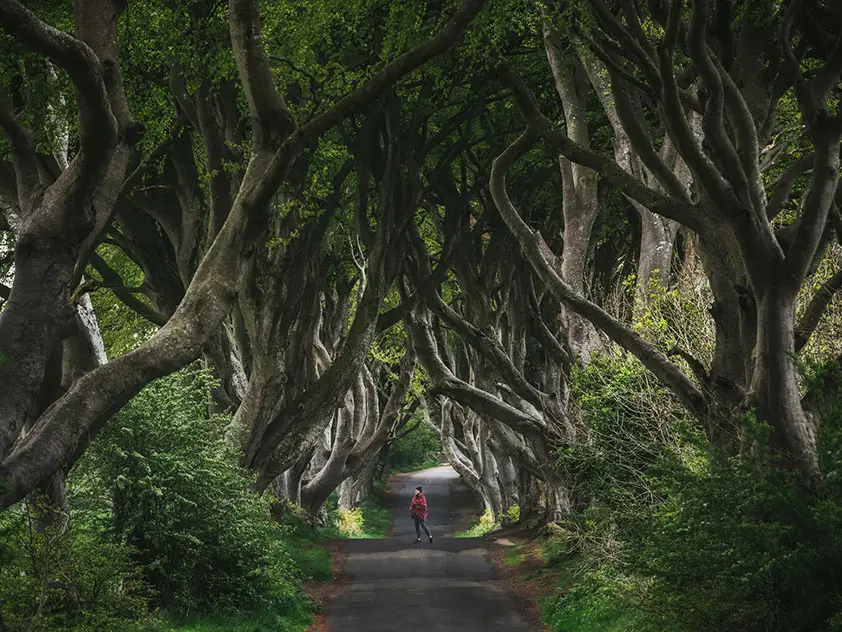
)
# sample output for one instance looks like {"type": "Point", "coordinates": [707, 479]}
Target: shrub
{"type": "Point", "coordinates": [740, 548]}
{"type": "Point", "coordinates": [680, 537]}
{"type": "Point", "coordinates": [350, 522]}
{"type": "Point", "coordinates": [202, 538]}
{"type": "Point", "coordinates": [480, 526]}
{"type": "Point", "coordinates": [65, 580]}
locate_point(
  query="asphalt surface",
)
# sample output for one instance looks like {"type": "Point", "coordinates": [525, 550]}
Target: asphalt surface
{"type": "Point", "coordinates": [396, 585]}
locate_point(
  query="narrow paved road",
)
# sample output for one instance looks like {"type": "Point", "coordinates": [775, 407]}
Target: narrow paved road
{"type": "Point", "coordinates": [395, 585]}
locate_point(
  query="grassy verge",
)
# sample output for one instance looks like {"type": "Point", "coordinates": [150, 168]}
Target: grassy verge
{"type": "Point", "coordinates": [480, 526]}
{"type": "Point", "coordinates": [370, 520]}
{"type": "Point", "coordinates": [257, 623]}
{"type": "Point", "coordinates": [542, 575]}
{"type": "Point", "coordinates": [314, 563]}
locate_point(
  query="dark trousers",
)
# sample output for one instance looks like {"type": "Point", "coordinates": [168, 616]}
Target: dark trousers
{"type": "Point", "coordinates": [419, 524]}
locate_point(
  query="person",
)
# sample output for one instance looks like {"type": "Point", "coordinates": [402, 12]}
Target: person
{"type": "Point", "coordinates": [418, 511]}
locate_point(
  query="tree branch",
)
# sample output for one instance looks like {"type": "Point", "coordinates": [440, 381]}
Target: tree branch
{"type": "Point", "coordinates": [112, 281]}
{"type": "Point", "coordinates": [714, 117]}
{"type": "Point", "coordinates": [783, 186]}
{"type": "Point", "coordinates": [533, 247]}
{"type": "Point", "coordinates": [540, 125]}
{"type": "Point", "coordinates": [365, 94]}
{"type": "Point", "coordinates": [488, 348]}
{"type": "Point", "coordinates": [24, 157]}
{"type": "Point", "coordinates": [816, 309]}
{"type": "Point", "coordinates": [445, 382]}
{"type": "Point", "coordinates": [695, 365]}
{"type": "Point", "coordinates": [811, 225]}
{"type": "Point", "coordinates": [271, 118]}
{"type": "Point", "coordinates": [828, 77]}
{"type": "Point", "coordinates": [96, 120]}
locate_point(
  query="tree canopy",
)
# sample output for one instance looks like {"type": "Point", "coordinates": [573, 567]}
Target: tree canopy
{"type": "Point", "coordinates": [368, 217]}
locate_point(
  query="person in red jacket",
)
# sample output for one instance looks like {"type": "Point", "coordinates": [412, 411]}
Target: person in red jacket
{"type": "Point", "coordinates": [418, 511]}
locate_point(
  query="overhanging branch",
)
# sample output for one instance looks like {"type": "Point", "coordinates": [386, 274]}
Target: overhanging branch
{"type": "Point", "coordinates": [98, 125]}
{"type": "Point", "coordinates": [816, 309]}
{"type": "Point", "coordinates": [23, 153]}
{"type": "Point", "coordinates": [540, 125]}
{"type": "Point", "coordinates": [533, 247]}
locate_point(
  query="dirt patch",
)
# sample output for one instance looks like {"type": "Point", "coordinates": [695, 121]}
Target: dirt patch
{"type": "Point", "coordinates": [323, 593]}
{"type": "Point", "coordinates": [524, 576]}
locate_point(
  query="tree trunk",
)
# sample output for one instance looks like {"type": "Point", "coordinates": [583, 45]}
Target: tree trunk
{"type": "Point", "coordinates": [774, 388]}
{"type": "Point", "coordinates": [529, 498]}
{"type": "Point", "coordinates": [656, 243]}
{"type": "Point", "coordinates": [492, 493]}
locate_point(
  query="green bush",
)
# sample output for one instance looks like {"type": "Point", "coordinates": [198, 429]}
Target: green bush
{"type": "Point", "coordinates": [480, 526]}
{"type": "Point", "coordinates": [66, 580]}
{"type": "Point", "coordinates": [350, 522]}
{"type": "Point", "coordinates": [741, 548]}
{"type": "Point", "coordinates": [203, 539]}
{"type": "Point", "coordinates": [370, 520]}
{"type": "Point", "coordinates": [682, 538]}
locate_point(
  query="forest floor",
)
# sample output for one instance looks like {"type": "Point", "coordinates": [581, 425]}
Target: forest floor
{"type": "Point", "coordinates": [520, 563]}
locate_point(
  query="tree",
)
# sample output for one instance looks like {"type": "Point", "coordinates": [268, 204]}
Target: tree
{"type": "Point", "coordinates": [693, 62]}
{"type": "Point", "coordinates": [53, 238]}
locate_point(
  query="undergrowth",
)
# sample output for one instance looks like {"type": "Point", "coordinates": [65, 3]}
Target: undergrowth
{"type": "Point", "coordinates": [484, 524]}
{"type": "Point", "coordinates": [682, 537]}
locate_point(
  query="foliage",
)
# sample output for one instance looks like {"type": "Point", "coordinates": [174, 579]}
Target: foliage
{"type": "Point", "coordinates": [416, 450]}
{"type": "Point", "coordinates": [511, 515]}
{"type": "Point", "coordinates": [203, 539]}
{"type": "Point", "coordinates": [591, 609]}
{"type": "Point", "coordinates": [483, 525]}
{"type": "Point", "coordinates": [826, 342]}
{"type": "Point", "coordinates": [66, 579]}
{"type": "Point", "coordinates": [350, 522]}
{"type": "Point", "coordinates": [681, 539]}
{"type": "Point", "coordinates": [635, 428]}
{"type": "Point", "coordinates": [251, 623]}
{"type": "Point", "coordinates": [676, 316]}
{"type": "Point", "coordinates": [370, 520]}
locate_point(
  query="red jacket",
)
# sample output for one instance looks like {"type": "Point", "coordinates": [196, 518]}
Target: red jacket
{"type": "Point", "coordinates": [418, 508]}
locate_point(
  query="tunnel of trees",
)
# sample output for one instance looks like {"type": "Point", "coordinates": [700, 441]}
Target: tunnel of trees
{"type": "Point", "coordinates": [593, 248]}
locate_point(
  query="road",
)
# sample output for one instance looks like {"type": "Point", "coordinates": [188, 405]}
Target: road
{"type": "Point", "coordinates": [395, 585]}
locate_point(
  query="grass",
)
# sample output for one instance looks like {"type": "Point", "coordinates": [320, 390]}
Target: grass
{"type": "Point", "coordinates": [571, 605]}
{"type": "Point", "coordinates": [371, 519]}
{"type": "Point", "coordinates": [368, 521]}
{"type": "Point", "coordinates": [484, 524]}
{"type": "Point", "coordinates": [580, 607]}
{"type": "Point", "coordinates": [377, 520]}
{"type": "Point", "coordinates": [314, 562]}
{"type": "Point", "coordinates": [588, 613]}
{"type": "Point", "coordinates": [264, 623]}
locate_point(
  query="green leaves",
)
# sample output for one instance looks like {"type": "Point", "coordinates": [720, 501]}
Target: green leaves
{"type": "Point", "coordinates": [203, 539]}
{"type": "Point", "coordinates": [681, 537]}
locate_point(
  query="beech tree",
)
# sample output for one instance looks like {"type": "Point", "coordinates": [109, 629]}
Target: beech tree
{"type": "Point", "coordinates": [692, 62]}
{"type": "Point", "coordinates": [62, 221]}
